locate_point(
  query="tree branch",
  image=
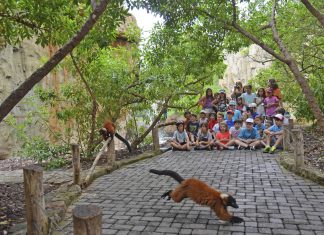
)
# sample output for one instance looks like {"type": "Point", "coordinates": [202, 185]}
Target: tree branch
{"type": "Point", "coordinates": [197, 81]}
{"type": "Point", "coordinates": [319, 16]}
{"type": "Point", "coordinates": [20, 20]}
{"type": "Point", "coordinates": [182, 107]}
{"type": "Point", "coordinates": [276, 36]}
{"type": "Point", "coordinates": [18, 94]}
{"type": "Point", "coordinates": [94, 106]}
{"type": "Point", "coordinates": [245, 33]}
{"type": "Point", "coordinates": [137, 141]}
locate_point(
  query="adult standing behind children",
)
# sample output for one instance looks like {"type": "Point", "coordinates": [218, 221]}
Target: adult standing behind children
{"type": "Point", "coordinates": [270, 103]}
{"type": "Point", "coordinates": [248, 96]}
{"type": "Point", "coordinates": [207, 101]}
{"type": "Point", "coordinates": [222, 102]}
{"type": "Point", "coordinates": [238, 90]}
{"type": "Point", "coordinates": [259, 100]}
{"type": "Point", "coordinates": [275, 88]}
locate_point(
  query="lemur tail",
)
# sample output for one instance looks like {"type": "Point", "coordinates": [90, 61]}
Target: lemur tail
{"type": "Point", "coordinates": [173, 174]}
{"type": "Point", "coordinates": [124, 141]}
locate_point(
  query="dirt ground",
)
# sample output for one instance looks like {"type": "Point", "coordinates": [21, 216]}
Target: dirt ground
{"type": "Point", "coordinates": [314, 148]}
{"type": "Point", "coordinates": [12, 199]}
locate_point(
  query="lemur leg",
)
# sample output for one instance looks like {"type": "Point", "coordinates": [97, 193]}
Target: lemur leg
{"type": "Point", "coordinates": [223, 214]}
{"type": "Point", "coordinates": [178, 194]}
{"type": "Point", "coordinates": [167, 194]}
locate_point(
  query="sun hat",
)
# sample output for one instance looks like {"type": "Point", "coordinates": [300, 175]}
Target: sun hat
{"type": "Point", "coordinates": [203, 111]}
{"type": "Point", "coordinates": [249, 120]}
{"type": "Point", "coordinates": [253, 105]}
{"type": "Point", "coordinates": [232, 102]}
{"type": "Point", "coordinates": [221, 91]}
{"type": "Point", "coordinates": [279, 116]}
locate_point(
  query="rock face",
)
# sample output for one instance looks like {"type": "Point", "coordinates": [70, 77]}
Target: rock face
{"type": "Point", "coordinates": [243, 65]}
{"type": "Point", "coordinates": [16, 65]}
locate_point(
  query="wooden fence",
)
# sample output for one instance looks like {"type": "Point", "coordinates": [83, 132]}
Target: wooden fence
{"type": "Point", "coordinates": [293, 141]}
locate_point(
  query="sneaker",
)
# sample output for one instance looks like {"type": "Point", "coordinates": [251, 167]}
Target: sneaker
{"type": "Point", "coordinates": [252, 148]}
{"type": "Point", "coordinates": [272, 150]}
{"type": "Point", "coordinates": [231, 147]}
{"type": "Point", "coordinates": [240, 147]}
{"type": "Point", "coordinates": [266, 149]}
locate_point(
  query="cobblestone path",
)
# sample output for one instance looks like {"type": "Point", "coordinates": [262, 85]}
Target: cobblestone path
{"type": "Point", "coordinates": [270, 200]}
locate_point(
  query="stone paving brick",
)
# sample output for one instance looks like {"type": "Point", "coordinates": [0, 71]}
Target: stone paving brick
{"type": "Point", "coordinates": [271, 201]}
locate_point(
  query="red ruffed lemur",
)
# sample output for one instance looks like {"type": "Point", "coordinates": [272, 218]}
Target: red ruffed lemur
{"type": "Point", "coordinates": [202, 194]}
{"type": "Point", "coordinates": [109, 130]}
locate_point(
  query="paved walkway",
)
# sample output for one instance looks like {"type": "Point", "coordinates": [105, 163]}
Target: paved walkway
{"type": "Point", "coordinates": [271, 201]}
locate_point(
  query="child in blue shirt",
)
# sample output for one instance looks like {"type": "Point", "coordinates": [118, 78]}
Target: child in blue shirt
{"type": "Point", "coordinates": [274, 134]}
{"type": "Point", "coordinates": [229, 120]}
{"type": "Point", "coordinates": [248, 137]}
{"type": "Point", "coordinates": [258, 125]}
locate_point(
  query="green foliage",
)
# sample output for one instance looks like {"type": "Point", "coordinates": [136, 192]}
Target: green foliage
{"type": "Point", "coordinates": [293, 96]}
{"type": "Point", "coordinates": [54, 22]}
{"type": "Point", "coordinates": [41, 150]}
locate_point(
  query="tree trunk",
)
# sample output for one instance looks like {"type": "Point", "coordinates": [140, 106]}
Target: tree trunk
{"type": "Point", "coordinates": [139, 140]}
{"type": "Point", "coordinates": [292, 64]}
{"type": "Point", "coordinates": [285, 58]}
{"type": "Point", "coordinates": [314, 11]}
{"type": "Point", "coordinates": [17, 95]}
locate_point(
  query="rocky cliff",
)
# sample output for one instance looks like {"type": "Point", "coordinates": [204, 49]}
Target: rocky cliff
{"type": "Point", "coordinates": [243, 65]}
{"type": "Point", "coordinates": [16, 65]}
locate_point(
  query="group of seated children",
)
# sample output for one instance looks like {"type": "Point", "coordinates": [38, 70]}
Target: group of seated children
{"type": "Point", "coordinates": [252, 135]}
{"type": "Point", "coordinates": [228, 132]}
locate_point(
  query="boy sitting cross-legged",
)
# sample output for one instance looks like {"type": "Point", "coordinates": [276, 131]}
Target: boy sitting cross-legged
{"type": "Point", "coordinates": [274, 134]}
{"type": "Point", "coordinates": [204, 140]}
{"type": "Point", "coordinates": [248, 137]}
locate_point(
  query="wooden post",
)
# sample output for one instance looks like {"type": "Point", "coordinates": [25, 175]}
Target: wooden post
{"type": "Point", "coordinates": [111, 153]}
{"type": "Point", "coordinates": [37, 221]}
{"type": "Point", "coordinates": [290, 124]}
{"type": "Point", "coordinates": [286, 138]}
{"type": "Point", "coordinates": [156, 140]}
{"type": "Point", "coordinates": [87, 220]}
{"type": "Point", "coordinates": [76, 164]}
{"type": "Point", "coordinates": [299, 148]}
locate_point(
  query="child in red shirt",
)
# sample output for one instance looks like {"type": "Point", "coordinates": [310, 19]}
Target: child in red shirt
{"type": "Point", "coordinates": [212, 121]}
{"type": "Point", "coordinates": [223, 137]}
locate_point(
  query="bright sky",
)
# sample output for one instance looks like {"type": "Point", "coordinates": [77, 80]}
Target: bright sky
{"type": "Point", "coordinates": [145, 21]}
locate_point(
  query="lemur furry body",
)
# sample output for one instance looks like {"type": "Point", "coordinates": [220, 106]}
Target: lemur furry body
{"type": "Point", "coordinates": [109, 130]}
{"type": "Point", "coordinates": [202, 194]}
